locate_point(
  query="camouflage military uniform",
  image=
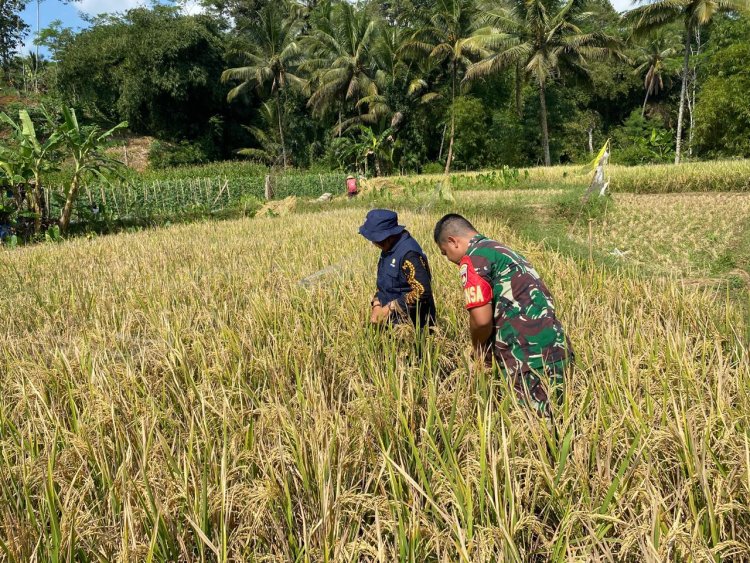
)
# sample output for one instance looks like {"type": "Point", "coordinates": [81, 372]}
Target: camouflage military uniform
{"type": "Point", "coordinates": [529, 341]}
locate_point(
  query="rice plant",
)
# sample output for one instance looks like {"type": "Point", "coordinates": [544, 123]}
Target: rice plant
{"type": "Point", "coordinates": [177, 394]}
{"type": "Point", "coordinates": [711, 176]}
{"type": "Point", "coordinates": [686, 235]}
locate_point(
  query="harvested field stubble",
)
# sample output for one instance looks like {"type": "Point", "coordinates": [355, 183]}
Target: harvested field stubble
{"type": "Point", "coordinates": [177, 394]}
{"type": "Point", "coordinates": [681, 234]}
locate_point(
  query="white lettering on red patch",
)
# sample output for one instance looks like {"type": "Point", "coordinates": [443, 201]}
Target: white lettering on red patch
{"type": "Point", "coordinates": [477, 290]}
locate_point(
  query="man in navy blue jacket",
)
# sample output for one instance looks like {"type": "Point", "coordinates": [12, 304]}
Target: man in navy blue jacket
{"type": "Point", "coordinates": [404, 285]}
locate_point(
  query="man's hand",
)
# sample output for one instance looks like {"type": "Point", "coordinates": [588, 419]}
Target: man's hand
{"type": "Point", "coordinates": [381, 313]}
{"type": "Point", "coordinates": [375, 307]}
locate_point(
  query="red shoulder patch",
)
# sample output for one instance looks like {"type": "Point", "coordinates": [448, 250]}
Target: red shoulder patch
{"type": "Point", "coordinates": [477, 290]}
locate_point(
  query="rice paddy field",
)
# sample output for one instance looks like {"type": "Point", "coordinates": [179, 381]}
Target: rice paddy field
{"type": "Point", "coordinates": [177, 394]}
{"type": "Point", "coordinates": [688, 235]}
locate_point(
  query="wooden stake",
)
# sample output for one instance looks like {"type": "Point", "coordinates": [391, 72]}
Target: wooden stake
{"type": "Point", "coordinates": [268, 190]}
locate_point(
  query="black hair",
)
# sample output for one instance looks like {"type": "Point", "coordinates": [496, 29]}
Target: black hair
{"type": "Point", "coordinates": [452, 224]}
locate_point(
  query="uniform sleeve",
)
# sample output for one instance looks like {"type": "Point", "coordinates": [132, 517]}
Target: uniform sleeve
{"type": "Point", "coordinates": [418, 277]}
{"type": "Point", "coordinates": [477, 290]}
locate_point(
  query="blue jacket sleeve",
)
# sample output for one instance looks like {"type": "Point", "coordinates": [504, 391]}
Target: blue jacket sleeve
{"type": "Point", "coordinates": [418, 277]}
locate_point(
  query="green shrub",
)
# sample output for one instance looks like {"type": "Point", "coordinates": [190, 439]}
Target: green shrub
{"type": "Point", "coordinates": [570, 207]}
{"type": "Point", "coordinates": [433, 168]}
{"type": "Point", "coordinates": [642, 141]}
{"type": "Point", "coordinates": [308, 185]}
{"type": "Point", "coordinates": [166, 155]}
{"type": "Point", "coordinates": [249, 205]}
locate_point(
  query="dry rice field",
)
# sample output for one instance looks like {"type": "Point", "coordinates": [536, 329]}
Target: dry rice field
{"type": "Point", "coordinates": [178, 395]}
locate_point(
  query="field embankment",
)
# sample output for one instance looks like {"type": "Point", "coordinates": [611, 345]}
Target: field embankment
{"type": "Point", "coordinates": [232, 189]}
{"type": "Point", "coordinates": [711, 176]}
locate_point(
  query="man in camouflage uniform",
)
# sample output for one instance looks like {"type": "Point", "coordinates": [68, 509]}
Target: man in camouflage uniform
{"type": "Point", "coordinates": [510, 311]}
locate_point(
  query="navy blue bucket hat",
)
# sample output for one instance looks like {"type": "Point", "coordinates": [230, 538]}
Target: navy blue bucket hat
{"type": "Point", "coordinates": [380, 224]}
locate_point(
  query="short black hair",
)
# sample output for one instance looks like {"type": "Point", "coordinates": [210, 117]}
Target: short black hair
{"type": "Point", "coordinates": [452, 224]}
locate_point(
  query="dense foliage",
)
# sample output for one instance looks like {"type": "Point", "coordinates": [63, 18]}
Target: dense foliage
{"type": "Point", "coordinates": [411, 86]}
{"type": "Point", "coordinates": [31, 155]}
{"type": "Point", "coordinates": [153, 68]}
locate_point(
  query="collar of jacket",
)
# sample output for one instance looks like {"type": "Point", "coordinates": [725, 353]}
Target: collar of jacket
{"type": "Point", "coordinates": [475, 239]}
{"type": "Point", "coordinates": [404, 236]}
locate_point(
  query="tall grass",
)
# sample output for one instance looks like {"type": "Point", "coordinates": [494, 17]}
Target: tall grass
{"type": "Point", "coordinates": [177, 394]}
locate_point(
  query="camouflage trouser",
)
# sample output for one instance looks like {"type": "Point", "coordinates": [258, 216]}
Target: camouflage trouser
{"type": "Point", "coordinates": [532, 391]}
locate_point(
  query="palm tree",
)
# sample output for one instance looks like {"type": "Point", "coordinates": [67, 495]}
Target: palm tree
{"type": "Point", "coordinates": [663, 45]}
{"type": "Point", "coordinates": [541, 36]}
{"type": "Point", "coordinates": [450, 37]}
{"type": "Point", "coordinates": [694, 14]}
{"type": "Point", "coordinates": [268, 153]}
{"type": "Point", "coordinates": [339, 60]}
{"type": "Point", "coordinates": [272, 58]}
{"type": "Point", "coordinates": [390, 78]}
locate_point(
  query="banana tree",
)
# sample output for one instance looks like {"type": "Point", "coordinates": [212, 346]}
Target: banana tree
{"type": "Point", "coordinates": [85, 147]}
{"type": "Point", "coordinates": [27, 161]}
{"type": "Point", "coordinates": [13, 173]}
{"type": "Point", "coordinates": [379, 146]}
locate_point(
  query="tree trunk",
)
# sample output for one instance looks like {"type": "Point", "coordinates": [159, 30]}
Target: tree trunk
{"type": "Point", "coordinates": [442, 141]}
{"type": "Point", "coordinates": [36, 61]}
{"type": "Point", "coordinates": [68, 208]}
{"type": "Point", "coordinates": [691, 97]}
{"type": "Point", "coordinates": [518, 85]}
{"type": "Point", "coordinates": [17, 195]}
{"type": "Point", "coordinates": [643, 110]}
{"type": "Point", "coordinates": [281, 130]}
{"type": "Point", "coordinates": [453, 123]}
{"type": "Point", "coordinates": [591, 140]}
{"type": "Point", "coordinates": [268, 189]}
{"type": "Point", "coordinates": [683, 95]}
{"type": "Point", "coordinates": [543, 120]}
{"type": "Point", "coordinates": [691, 119]}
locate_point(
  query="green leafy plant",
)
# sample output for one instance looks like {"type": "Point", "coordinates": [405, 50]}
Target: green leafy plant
{"type": "Point", "coordinates": [85, 147]}
{"type": "Point", "coordinates": [27, 160]}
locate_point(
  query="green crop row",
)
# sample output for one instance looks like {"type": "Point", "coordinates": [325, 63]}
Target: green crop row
{"type": "Point", "coordinates": [215, 187]}
{"type": "Point", "coordinates": [223, 169]}
{"type": "Point", "coordinates": [138, 198]}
